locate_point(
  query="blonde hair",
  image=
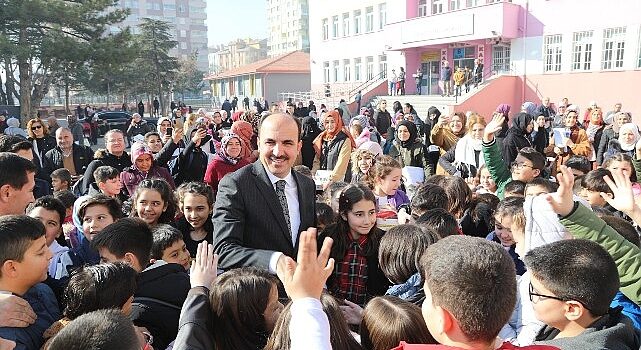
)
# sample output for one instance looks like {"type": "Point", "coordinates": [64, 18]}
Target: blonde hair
{"type": "Point", "coordinates": [190, 120]}
{"type": "Point", "coordinates": [45, 129]}
{"type": "Point", "coordinates": [474, 119]}
{"type": "Point", "coordinates": [358, 155]}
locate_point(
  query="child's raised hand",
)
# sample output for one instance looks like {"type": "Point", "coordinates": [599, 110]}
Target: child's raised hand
{"type": "Point", "coordinates": [562, 201]}
{"type": "Point", "coordinates": [203, 269]}
{"type": "Point", "coordinates": [623, 195]}
{"type": "Point", "coordinates": [306, 277]}
{"type": "Point", "coordinates": [495, 125]}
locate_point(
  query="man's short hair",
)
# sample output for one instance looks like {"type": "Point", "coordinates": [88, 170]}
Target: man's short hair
{"type": "Point", "coordinates": [102, 329]}
{"type": "Point", "coordinates": [17, 233]}
{"type": "Point", "coordinates": [114, 131]}
{"type": "Point", "coordinates": [164, 236]}
{"type": "Point", "coordinates": [534, 156]}
{"type": "Point", "coordinates": [66, 197]}
{"type": "Point", "coordinates": [512, 207]}
{"type": "Point", "coordinates": [49, 203]}
{"type": "Point", "coordinates": [428, 196]}
{"type": "Point", "coordinates": [104, 173]}
{"type": "Point", "coordinates": [62, 174]}
{"type": "Point", "coordinates": [440, 221]}
{"type": "Point", "coordinates": [296, 120]}
{"type": "Point", "coordinates": [474, 280]}
{"type": "Point", "coordinates": [127, 235]}
{"type": "Point", "coordinates": [515, 187]}
{"type": "Point", "coordinates": [399, 265]}
{"type": "Point", "coordinates": [576, 269]}
{"type": "Point", "coordinates": [579, 163]}
{"type": "Point", "coordinates": [15, 170]}
{"type": "Point", "coordinates": [593, 181]}
{"type": "Point", "coordinates": [13, 144]}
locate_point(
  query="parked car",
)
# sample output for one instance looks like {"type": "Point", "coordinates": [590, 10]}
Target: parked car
{"type": "Point", "coordinates": [108, 120]}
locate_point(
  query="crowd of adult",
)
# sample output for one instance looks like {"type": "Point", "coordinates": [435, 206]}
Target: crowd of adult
{"type": "Point", "coordinates": [324, 228]}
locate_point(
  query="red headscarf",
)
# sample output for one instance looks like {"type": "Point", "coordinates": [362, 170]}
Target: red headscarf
{"type": "Point", "coordinates": [327, 136]}
{"type": "Point", "coordinates": [245, 131]}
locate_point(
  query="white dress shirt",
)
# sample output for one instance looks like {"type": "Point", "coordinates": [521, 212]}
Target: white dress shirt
{"type": "Point", "coordinates": [291, 193]}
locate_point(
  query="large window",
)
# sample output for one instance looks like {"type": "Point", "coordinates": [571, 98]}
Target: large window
{"type": "Point", "coordinates": [382, 65]}
{"type": "Point", "coordinates": [369, 19]}
{"type": "Point", "coordinates": [370, 68]}
{"type": "Point", "coordinates": [357, 69]}
{"type": "Point", "coordinates": [357, 22]}
{"type": "Point", "coordinates": [326, 71]}
{"type": "Point", "coordinates": [347, 70]}
{"type": "Point", "coordinates": [335, 71]}
{"type": "Point", "coordinates": [582, 50]}
{"type": "Point", "coordinates": [382, 15]}
{"type": "Point", "coordinates": [437, 6]}
{"type": "Point", "coordinates": [346, 24]}
{"type": "Point", "coordinates": [552, 53]}
{"type": "Point", "coordinates": [613, 48]}
{"type": "Point", "coordinates": [455, 5]}
{"type": "Point", "coordinates": [422, 8]}
{"type": "Point", "coordinates": [501, 59]}
{"type": "Point", "coordinates": [471, 3]}
{"type": "Point", "coordinates": [335, 27]}
{"type": "Point", "coordinates": [325, 29]}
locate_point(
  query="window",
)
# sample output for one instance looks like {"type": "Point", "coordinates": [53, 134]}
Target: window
{"type": "Point", "coordinates": [582, 50]}
{"type": "Point", "coordinates": [335, 27]}
{"type": "Point", "coordinates": [382, 65]}
{"type": "Point", "coordinates": [325, 29]}
{"type": "Point", "coordinates": [382, 15]}
{"type": "Point", "coordinates": [552, 53]}
{"type": "Point", "coordinates": [346, 24]}
{"type": "Point", "coordinates": [183, 33]}
{"type": "Point", "coordinates": [437, 6]}
{"type": "Point", "coordinates": [370, 68]}
{"type": "Point", "coordinates": [501, 59]}
{"type": "Point", "coordinates": [183, 45]}
{"type": "Point", "coordinates": [455, 5]}
{"type": "Point", "coordinates": [326, 71]}
{"type": "Point", "coordinates": [357, 22]}
{"type": "Point", "coordinates": [357, 69]}
{"type": "Point", "coordinates": [347, 70]}
{"type": "Point", "coordinates": [422, 8]}
{"type": "Point", "coordinates": [335, 71]}
{"type": "Point", "coordinates": [613, 48]}
{"type": "Point", "coordinates": [471, 3]}
{"type": "Point", "coordinates": [369, 19]}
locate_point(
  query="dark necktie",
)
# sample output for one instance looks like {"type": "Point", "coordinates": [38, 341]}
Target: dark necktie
{"type": "Point", "coordinates": [280, 192]}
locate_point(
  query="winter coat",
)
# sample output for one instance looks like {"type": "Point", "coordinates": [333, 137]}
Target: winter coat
{"type": "Point", "coordinates": [415, 155]}
{"type": "Point", "coordinates": [139, 129]}
{"type": "Point", "coordinates": [82, 157]}
{"type": "Point", "coordinates": [41, 146]}
{"type": "Point", "coordinates": [335, 156]}
{"type": "Point", "coordinates": [383, 120]}
{"type": "Point", "coordinates": [105, 158]}
{"type": "Point", "coordinates": [131, 177]}
{"type": "Point", "coordinates": [219, 168]}
{"type": "Point", "coordinates": [607, 135]}
{"type": "Point", "coordinates": [517, 137]}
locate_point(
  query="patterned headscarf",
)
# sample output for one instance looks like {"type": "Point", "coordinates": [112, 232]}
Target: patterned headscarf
{"type": "Point", "coordinates": [222, 151]}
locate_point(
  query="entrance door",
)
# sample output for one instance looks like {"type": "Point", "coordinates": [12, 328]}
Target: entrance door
{"type": "Point", "coordinates": [431, 73]}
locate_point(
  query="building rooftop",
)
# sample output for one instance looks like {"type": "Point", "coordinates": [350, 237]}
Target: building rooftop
{"type": "Point", "coordinates": [293, 62]}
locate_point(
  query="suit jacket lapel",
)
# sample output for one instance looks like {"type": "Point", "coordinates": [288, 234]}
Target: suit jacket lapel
{"type": "Point", "coordinates": [267, 190]}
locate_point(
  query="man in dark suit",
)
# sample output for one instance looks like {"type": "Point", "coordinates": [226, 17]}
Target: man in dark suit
{"type": "Point", "coordinates": [262, 208]}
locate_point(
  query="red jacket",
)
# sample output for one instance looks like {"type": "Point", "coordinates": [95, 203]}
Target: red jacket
{"type": "Point", "coordinates": [218, 168]}
{"type": "Point", "coordinates": [505, 346]}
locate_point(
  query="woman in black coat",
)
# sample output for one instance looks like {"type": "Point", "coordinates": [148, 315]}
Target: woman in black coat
{"type": "Point", "coordinates": [518, 136]}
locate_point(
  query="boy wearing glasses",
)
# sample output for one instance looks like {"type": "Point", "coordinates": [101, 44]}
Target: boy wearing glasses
{"type": "Point", "coordinates": [572, 285]}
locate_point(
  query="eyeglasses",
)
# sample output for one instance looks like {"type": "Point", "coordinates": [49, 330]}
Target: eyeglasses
{"type": "Point", "coordinates": [520, 166]}
{"type": "Point", "coordinates": [149, 339]}
{"type": "Point", "coordinates": [36, 127]}
{"type": "Point", "coordinates": [533, 293]}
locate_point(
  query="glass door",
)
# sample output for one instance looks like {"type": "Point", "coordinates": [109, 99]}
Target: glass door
{"type": "Point", "coordinates": [431, 73]}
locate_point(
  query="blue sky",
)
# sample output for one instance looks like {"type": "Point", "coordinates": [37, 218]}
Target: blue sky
{"type": "Point", "coordinates": [232, 19]}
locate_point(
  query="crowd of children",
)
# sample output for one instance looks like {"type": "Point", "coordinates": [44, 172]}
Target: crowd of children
{"type": "Point", "coordinates": [426, 237]}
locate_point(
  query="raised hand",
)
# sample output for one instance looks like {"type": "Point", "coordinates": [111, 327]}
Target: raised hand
{"type": "Point", "coordinates": [177, 135]}
{"type": "Point", "coordinates": [495, 125]}
{"type": "Point", "coordinates": [622, 189]}
{"type": "Point", "coordinates": [562, 201]}
{"type": "Point", "coordinates": [306, 277]}
{"type": "Point", "coordinates": [203, 269]}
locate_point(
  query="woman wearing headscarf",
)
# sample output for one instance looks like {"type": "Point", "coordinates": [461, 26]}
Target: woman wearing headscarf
{"type": "Point", "coordinates": [466, 157]}
{"type": "Point", "coordinates": [626, 142]}
{"type": "Point", "coordinates": [246, 132]}
{"type": "Point", "coordinates": [576, 144]}
{"type": "Point", "coordinates": [310, 131]}
{"type": "Point", "coordinates": [518, 136]}
{"type": "Point", "coordinates": [227, 160]}
{"type": "Point", "coordinates": [334, 147]}
{"type": "Point", "coordinates": [408, 149]}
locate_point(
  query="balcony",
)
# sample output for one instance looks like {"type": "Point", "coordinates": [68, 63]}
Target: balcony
{"type": "Point", "coordinates": [477, 23]}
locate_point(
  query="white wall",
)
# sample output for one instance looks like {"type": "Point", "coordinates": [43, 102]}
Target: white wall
{"type": "Point", "coordinates": [353, 46]}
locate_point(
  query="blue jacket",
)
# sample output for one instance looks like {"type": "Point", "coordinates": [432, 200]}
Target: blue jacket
{"type": "Point", "coordinates": [630, 309]}
{"type": "Point", "coordinates": [44, 304]}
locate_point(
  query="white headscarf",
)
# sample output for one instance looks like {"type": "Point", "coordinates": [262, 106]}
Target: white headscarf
{"type": "Point", "coordinates": [464, 152]}
{"type": "Point", "coordinates": [632, 128]}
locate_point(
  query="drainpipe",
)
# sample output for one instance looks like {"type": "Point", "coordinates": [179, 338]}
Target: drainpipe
{"type": "Point", "coordinates": [525, 13]}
